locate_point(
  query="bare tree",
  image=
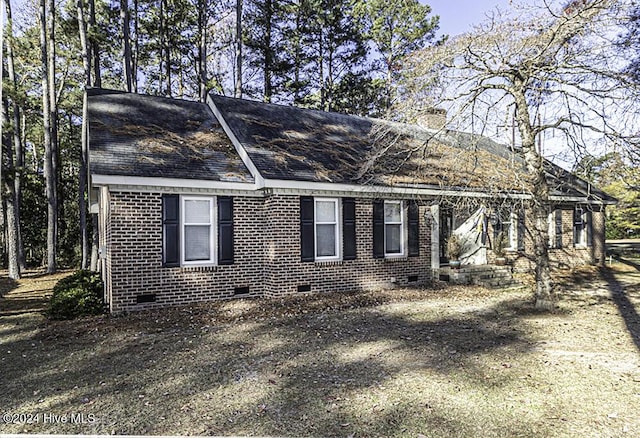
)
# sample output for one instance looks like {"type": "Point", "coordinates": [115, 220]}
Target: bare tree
{"type": "Point", "coordinates": [555, 69]}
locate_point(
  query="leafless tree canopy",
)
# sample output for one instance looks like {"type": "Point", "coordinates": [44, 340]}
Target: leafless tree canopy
{"type": "Point", "coordinates": [564, 61]}
{"type": "Point", "coordinates": [554, 69]}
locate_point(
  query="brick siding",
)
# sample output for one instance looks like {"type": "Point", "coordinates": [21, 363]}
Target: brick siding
{"type": "Point", "coordinates": [567, 257]}
{"type": "Point", "coordinates": [266, 260]}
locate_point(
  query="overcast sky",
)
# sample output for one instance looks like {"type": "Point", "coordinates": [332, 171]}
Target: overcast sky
{"type": "Point", "coordinates": [459, 16]}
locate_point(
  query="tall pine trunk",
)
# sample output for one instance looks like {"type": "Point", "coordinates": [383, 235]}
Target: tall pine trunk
{"type": "Point", "coordinates": [49, 169]}
{"type": "Point", "coordinates": [202, 48]}
{"type": "Point", "coordinates": [8, 190]}
{"type": "Point", "coordinates": [268, 52]}
{"type": "Point", "coordinates": [94, 47]}
{"type": "Point", "coordinates": [238, 88]}
{"type": "Point", "coordinates": [136, 48]}
{"type": "Point", "coordinates": [84, 151]}
{"type": "Point", "coordinates": [18, 145]}
{"type": "Point", "coordinates": [126, 45]}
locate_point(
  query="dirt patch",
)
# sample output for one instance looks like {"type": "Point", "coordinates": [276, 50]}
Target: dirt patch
{"type": "Point", "coordinates": [460, 361]}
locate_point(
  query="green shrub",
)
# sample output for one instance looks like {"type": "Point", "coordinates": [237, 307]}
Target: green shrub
{"type": "Point", "coordinates": [79, 294]}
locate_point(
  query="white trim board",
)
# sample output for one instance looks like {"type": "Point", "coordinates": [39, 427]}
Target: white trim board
{"type": "Point", "coordinates": [244, 156]}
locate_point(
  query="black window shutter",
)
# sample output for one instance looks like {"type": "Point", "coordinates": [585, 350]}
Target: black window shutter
{"type": "Point", "coordinates": [349, 250]}
{"type": "Point", "coordinates": [589, 226]}
{"type": "Point", "coordinates": [307, 244]}
{"type": "Point", "coordinates": [497, 227]}
{"type": "Point", "coordinates": [378, 229]}
{"type": "Point", "coordinates": [171, 230]}
{"type": "Point", "coordinates": [521, 230]}
{"type": "Point", "coordinates": [414, 229]}
{"type": "Point", "coordinates": [225, 230]}
{"type": "Point", "coordinates": [558, 217]}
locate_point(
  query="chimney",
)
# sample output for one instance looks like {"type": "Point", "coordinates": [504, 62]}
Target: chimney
{"type": "Point", "coordinates": [432, 118]}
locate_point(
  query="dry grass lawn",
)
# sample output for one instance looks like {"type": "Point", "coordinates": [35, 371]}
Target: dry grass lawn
{"type": "Point", "coordinates": [457, 361]}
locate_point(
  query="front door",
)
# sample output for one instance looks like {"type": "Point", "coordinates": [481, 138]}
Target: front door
{"type": "Point", "coordinates": [446, 227]}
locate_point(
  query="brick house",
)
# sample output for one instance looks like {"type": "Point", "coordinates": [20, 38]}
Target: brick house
{"type": "Point", "coordinates": [231, 198]}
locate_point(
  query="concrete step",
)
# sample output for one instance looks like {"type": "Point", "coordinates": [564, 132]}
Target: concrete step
{"type": "Point", "coordinates": [484, 275]}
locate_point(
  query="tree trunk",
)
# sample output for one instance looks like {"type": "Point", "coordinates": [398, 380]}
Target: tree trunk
{"type": "Point", "coordinates": [136, 47]}
{"type": "Point", "coordinates": [545, 298]}
{"type": "Point", "coordinates": [238, 88]}
{"type": "Point", "coordinates": [94, 47]}
{"type": "Point", "coordinates": [94, 248]}
{"type": "Point", "coordinates": [84, 151]}
{"type": "Point", "coordinates": [126, 45]}
{"type": "Point", "coordinates": [18, 145]}
{"type": "Point", "coordinates": [202, 49]}
{"type": "Point", "coordinates": [8, 190]}
{"type": "Point", "coordinates": [48, 147]}
{"type": "Point", "coordinates": [268, 52]}
{"type": "Point", "coordinates": [323, 92]}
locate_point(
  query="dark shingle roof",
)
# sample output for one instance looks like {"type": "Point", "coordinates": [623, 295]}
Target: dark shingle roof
{"type": "Point", "coordinates": [289, 143]}
{"type": "Point", "coordinates": [149, 136]}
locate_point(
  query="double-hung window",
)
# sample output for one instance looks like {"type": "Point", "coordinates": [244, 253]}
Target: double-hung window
{"type": "Point", "coordinates": [507, 222]}
{"type": "Point", "coordinates": [555, 229]}
{"type": "Point", "coordinates": [327, 229]}
{"type": "Point", "coordinates": [198, 230]}
{"type": "Point", "coordinates": [393, 228]}
{"type": "Point", "coordinates": [580, 227]}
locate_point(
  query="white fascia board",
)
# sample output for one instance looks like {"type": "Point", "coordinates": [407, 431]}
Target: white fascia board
{"type": "Point", "coordinates": [244, 156]}
{"type": "Point", "coordinates": [275, 184]}
{"type": "Point", "coordinates": [116, 180]}
{"type": "Point", "coordinates": [581, 200]}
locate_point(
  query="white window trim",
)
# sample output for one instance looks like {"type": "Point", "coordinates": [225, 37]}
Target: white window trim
{"type": "Point", "coordinates": [403, 233]}
{"type": "Point", "coordinates": [582, 236]}
{"type": "Point", "coordinates": [213, 235]}
{"type": "Point", "coordinates": [513, 231]}
{"type": "Point", "coordinates": [551, 229]}
{"type": "Point", "coordinates": [338, 229]}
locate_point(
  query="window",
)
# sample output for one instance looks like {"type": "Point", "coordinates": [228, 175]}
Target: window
{"type": "Point", "coordinates": [198, 230]}
{"type": "Point", "coordinates": [507, 223]}
{"type": "Point", "coordinates": [393, 228]}
{"type": "Point", "coordinates": [579, 227]}
{"type": "Point", "coordinates": [555, 229]}
{"type": "Point", "coordinates": [326, 230]}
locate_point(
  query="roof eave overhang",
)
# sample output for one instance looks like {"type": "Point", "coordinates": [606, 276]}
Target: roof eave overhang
{"type": "Point", "coordinates": [142, 181]}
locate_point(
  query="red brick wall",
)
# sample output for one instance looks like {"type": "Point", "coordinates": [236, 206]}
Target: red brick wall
{"type": "Point", "coordinates": [267, 255]}
{"type": "Point", "coordinates": [567, 257]}
{"type": "Point", "coordinates": [285, 271]}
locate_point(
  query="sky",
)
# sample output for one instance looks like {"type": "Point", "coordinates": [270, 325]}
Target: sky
{"type": "Point", "coordinates": [459, 16]}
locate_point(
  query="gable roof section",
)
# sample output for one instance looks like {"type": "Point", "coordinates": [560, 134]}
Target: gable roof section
{"type": "Point", "coordinates": [289, 143]}
{"type": "Point", "coordinates": [294, 144]}
{"type": "Point", "coordinates": [148, 136]}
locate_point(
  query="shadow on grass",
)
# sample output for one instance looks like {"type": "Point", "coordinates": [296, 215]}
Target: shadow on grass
{"type": "Point", "coordinates": [6, 285]}
{"type": "Point", "coordinates": [620, 296]}
{"type": "Point", "coordinates": [279, 368]}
